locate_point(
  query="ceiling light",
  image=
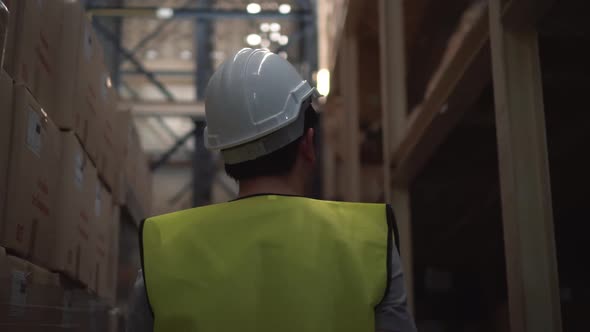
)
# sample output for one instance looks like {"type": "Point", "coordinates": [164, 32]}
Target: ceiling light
{"type": "Point", "coordinates": [253, 8]}
{"type": "Point", "coordinates": [323, 82]}
{"type": "Point", "coordinates": [265, 27]}
{"type": "Point", "coordinates": [253, 39]}
{"type": "Point", "coordinates": [164, 13]}
{"type": "Point", "coordinates": [283, 55]}
{"type": "Point", "coordinates": [275, 27]}
{"type": "Point", "coordinates": [186, 54]}
{"type": "Point", "coordinates": [109, 82]}
{"type": "Point", "coordinates": [284, 40]}
{"type": "Point", "coordinates": [151, 54]}
{"type": "Point", "coordinates": [284, 8]}
{"type": "Point", "coordinates": [265, 43]}
{"type": "Point", "coordinates": [275, 36]}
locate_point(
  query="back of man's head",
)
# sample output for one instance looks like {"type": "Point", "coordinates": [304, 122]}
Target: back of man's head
{"type": "Point", "coordinates": [278, 163]}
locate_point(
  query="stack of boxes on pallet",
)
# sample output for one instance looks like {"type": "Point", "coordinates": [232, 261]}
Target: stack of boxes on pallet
{"type": "Point", "coordinates": [62, 148]}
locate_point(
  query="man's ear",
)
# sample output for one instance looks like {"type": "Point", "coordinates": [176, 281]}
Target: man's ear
{"type": "Point", "coordinates": [307, 146]}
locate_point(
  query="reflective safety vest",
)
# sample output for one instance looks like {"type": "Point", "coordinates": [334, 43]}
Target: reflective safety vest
{"type": "Point", "coordinates": [268, 263]}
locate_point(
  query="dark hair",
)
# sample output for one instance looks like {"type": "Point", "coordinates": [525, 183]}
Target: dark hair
{"type": "Point", "coordinates": [277, 163]}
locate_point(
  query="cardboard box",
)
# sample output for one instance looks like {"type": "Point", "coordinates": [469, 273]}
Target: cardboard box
{"type": "Point", "coordinates": [135, 185]}
{"type": "Point", "coordinates": [69, 235]}
{"type": "Point", "coordinates": [143, 184]}
{"type": "Point", "coordinates": [127, 151]}
{"type": "Point", "coordinates": [90, 93]}
{"type": "Point", "coordinates": [107, 214]}
{"type": "Point", "coordinates": [5, 136]}
{"type": "Point", "coordinates": [61, 48]}
{"type": "Point", "coordinates": [30, 296]}
{"type": "Point", "coordinates": [109, 160]}
{"type": "Point", "coordinates": [23, 36]}
{"type": "Point", "coordinates": [3, 31]}
{"type": "Point", "coordinates": [32, 181]}
{"type": "Point", "coordinates": [83, 311]}
{"type": "Point", "coordinates": [113, 259]}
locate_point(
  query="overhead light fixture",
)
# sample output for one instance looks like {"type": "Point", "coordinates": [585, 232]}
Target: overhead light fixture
{"type": "Point", "coordinates": [253, 39]}
{"type": "Point", "coordinates": [284, 40]}
{"type": "Point", "coordinates": [186, 54]}
{"type": "Point", "coordinates": [275, 27]}
{"type": "Point", "coordinates": [265, 27]}
{"type": "Point", "coordinates": [151, 54]}
{"type": "Point", "coordinates": [109, 82]}
{"type": "Point", "coordinates": [275, 36]}
{"type": "Point", "coordinates": [323, 82]}
{"type": "Point", "coordinates": [285, 8]}
{"type": "Point", "coordinates": [253, 8]}
{"type": "Point", "coordinates": [265, 43]}
{"type": "Point", "coordinates": [164, 13]}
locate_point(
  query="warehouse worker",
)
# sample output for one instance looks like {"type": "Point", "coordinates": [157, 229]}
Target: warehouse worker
{"type": "Point", "coordinates": [271, 260]}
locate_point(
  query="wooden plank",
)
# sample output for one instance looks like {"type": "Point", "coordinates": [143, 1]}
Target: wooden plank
{"type": "Point", "coordinates": [533, 288]}
{"type": "Point", "coordinates": [426, 130]}
{"type": "Point", "coordinates": [393, 82]}
{"type": "Point", "coordinates": [335, 19]}
{"type": "Point", "coordinates": [348, 73]}
{"type": "Point", "coordinates": [331, 20]}
{"type": "Point", "coordinates": [394, 122]}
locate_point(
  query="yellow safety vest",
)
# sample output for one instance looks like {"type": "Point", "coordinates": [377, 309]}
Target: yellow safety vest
{"type": "Point", "coordinates": [268, 263]}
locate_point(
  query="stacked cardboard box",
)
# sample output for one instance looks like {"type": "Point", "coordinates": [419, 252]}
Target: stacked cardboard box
{"type": "Point", "coordinates": [143, 184]}
{"type": "Point", "coordinates": [134, 185]}
{"type": "Point", "coordinates": [33, 299]}
{"type": "Point", "coordinates": [68, 159]}
{"type": "Point", "coordinates": [109, 143]}
{"type": "Point", "coordinates": [68, 240]}
{"type": "Point", "coordinates": [106, 243]}
{"type": "Point", "coordinates": [30, 296]}
{"type": "Point", "coordinates": [34, 159]}
{"type": "Point", "coordinates": [60, 63]}
{"type": "Point", "coordinates": [21, 46]}
{"type": "Point", "coordinates": [135, 182]}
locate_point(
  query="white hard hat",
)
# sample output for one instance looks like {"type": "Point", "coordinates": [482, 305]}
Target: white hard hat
{"type": "Point", "coordinates": [252, 105]}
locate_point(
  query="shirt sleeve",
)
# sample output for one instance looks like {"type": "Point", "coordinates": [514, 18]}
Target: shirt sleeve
{"type": "Point", "coordinates": [393, 314]}
{"type": "Point", "coordinates": [139, 317]}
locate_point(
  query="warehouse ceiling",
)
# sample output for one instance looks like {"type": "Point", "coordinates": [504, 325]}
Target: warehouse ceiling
{"type": "Point", "coordinates": [168, 49]}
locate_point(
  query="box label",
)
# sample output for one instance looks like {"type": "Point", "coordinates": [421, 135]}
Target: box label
{"type": "Point", "coordinates": [34, 130]}
{"type": "Point", "coordinates": [18, 294]}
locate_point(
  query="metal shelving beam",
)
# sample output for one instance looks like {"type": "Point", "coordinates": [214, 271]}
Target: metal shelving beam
{"type": "Point", "coordinates": [196, 13]}
{"type": "Point", "coordinates": [114, 39]}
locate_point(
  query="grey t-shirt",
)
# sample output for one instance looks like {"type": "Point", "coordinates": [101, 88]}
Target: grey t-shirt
{"type": "Point", "coordinates": [391, 315]}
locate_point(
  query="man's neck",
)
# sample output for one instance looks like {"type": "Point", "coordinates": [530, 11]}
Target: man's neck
{"type": "Point", "coordinates": [280, 185]}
